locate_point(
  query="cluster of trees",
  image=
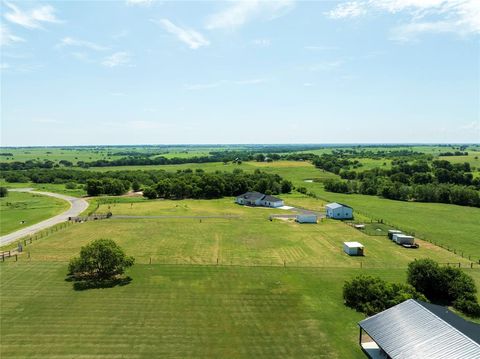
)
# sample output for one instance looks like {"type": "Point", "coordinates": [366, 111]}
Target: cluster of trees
{"type": "Point", "coordinates": [444, 285]}
{"type": "Point", "coordinates": [333, 163]}
{"type": "Point", "coordinates": [17, 165]}
{"type": "Point", "coordinates": [441, 182]}
{"type": "Point", "coordinates": [159, 183]}
{"type": "Point", "coordinates": [426, 281]}
{"type": "Point", "coordinates": [108, 186]}
{"type": "Point", "coordinates": [188, 184]}
{"type": "Point", "coordinates": [371, 295]}
{"type": "Point", "coordinates": [455, 153]}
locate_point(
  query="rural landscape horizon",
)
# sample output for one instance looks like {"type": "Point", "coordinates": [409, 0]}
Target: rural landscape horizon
{"type": "Point", "coordinates": [240, 179]}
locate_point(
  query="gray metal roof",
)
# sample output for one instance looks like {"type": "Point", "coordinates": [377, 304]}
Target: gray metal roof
{"type": "Point", "coordinates": [410, 330]}
{"type": "Point", "coordinates": [336, 205]}
{"type": "Point", "coordinates": [252, 195]}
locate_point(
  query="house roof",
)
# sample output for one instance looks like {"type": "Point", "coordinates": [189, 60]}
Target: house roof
{"type": "Point", "coordinates": [336, 205]}
{"type": "Point", "coordinates": [414, 329]}
{"type": "Point", "coordinates": [252, 195]}
{"type": "Point", "coordinates": [271, 198]}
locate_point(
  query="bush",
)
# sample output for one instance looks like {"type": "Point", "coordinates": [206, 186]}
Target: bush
{"type": "Point", "coordinates": [100, 260]}
{"type": "Point", "coordinates": [371, 295]}
{"type": "Point", "coordinates": [3, 192]}
{"type": "Point", "coordinates": [302, 190]}
{"type": "Point", "coordinates": [149, 193]}
{"type": "Point", "coordinates": [70, 185]}
{"type": "Point", "coordinates": [469, 307]}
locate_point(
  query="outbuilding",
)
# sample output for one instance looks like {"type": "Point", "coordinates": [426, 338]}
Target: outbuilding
{"type": "Point", "coordinates": [339, 211]}
{"type": "Point", "coordinates": [391, 232]}
{"type": "Point", "coordinates": [400, 238]}
{"type": "Point", "coordinates": [307, 218]}
{"type": "Point", "coordinates": [353, 248]}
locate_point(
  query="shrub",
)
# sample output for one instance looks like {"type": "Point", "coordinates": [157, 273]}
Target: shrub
{"type": "Point", "coordinates": [70, 185]}
{"type": "Point", "coordinates": [469, 307]}
{"type": "Point", "coordinates": [3, 192]}
{"type": "Point", "coordinates": [100, 260]}
{"type": "Point", "coordinates": [149, 193]}
{"type": "Point", "coordinates": [302, 190]}
{"type": "Point", "coordinates": [371, 295]}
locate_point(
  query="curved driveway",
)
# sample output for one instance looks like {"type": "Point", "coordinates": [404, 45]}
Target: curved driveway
{"type": "Point", "coordinates": [77, 206]}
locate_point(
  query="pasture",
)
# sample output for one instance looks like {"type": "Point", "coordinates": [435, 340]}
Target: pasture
{"type": "Point", "coordinates": [244, 237]}
{"type": "Point", "coordinates": [28, 207]}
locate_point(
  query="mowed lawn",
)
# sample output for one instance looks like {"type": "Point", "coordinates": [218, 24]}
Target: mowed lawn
{"type": "Point", "coordinates": [28, 207]}
{"type": "Point", "coordinates": [180, 312]}
{"type": "Point", "coordinates": [245, 237]}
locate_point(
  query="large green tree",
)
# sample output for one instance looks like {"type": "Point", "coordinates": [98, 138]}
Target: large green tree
{"type": "Point", "coordinates": [99, 260]}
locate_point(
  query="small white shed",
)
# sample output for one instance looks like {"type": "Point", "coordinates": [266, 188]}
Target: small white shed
{"type": "Point", "coordinates": [353, 248]}
{"type": "Point", "coordinates": [339, 211]}
{"type": "Point", "coordinates": [307, 218]}
{"type": "Point", "coordinates": [403, 239]}
{"type": "Point", "coordinates": [392, 232]}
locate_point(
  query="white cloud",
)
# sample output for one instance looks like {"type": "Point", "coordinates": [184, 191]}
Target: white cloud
{"type": "Point", "coordinates": [262, 42]}
{"type": "Point", "coordinates": [33, 18]}
{"type": "Point", "coordinates": [46, 121]}
{"type": "Point", "coordinates": [192, 38]}
{"type": "Point", "coordinates": [69, 41]}
{"type": "Point", "coordinates": [347, 10]}
{"type": "Point", "coordinates": [7, 38]}
{"type": "Point", "coordinates": [116, 59]}
{"type": "Point", "coordinates": [320, 48]}
{"type": "Point", "coordinates": [195, 87]}
{"type": "Point", "coordinates": [251, 81]}
{"type": "Point", "coordinates": [139, 2]}
{"type": "Point", "coordinates": [326, 65]}
{"type": "Point", "coordinates": [241, 12]}
{"type": "Point", "coordinates": [433, 16]}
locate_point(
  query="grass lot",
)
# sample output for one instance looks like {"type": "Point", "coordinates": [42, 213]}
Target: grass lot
{"type": "Point", "coordinates": [32, 208]}
{"type": "Point", "coordinates": [249, 239]}
{"type": "Point", "coordinates": [47, 187]}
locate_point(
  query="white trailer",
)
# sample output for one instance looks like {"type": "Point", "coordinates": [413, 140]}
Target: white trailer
{"type": "Point", "coordinates": [403, 239]}
{"type": "Point", "coordinates": [353, 248]}
{"type": "Point", "coordinates": [307, 218]}
{"type": "Point", "coordinates": [392, 232]}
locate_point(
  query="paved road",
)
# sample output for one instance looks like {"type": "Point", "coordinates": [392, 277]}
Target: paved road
{"type": "Point", "coordinates": [77, 206]}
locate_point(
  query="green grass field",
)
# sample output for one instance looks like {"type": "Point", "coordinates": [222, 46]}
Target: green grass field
{"type": "Point", "coordinates": [28, 207]}
{"type": "Point", "coordinates": [248, 239]}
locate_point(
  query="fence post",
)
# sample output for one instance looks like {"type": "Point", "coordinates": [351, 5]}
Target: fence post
{"type": "Point", "coordinates": [16, 257]}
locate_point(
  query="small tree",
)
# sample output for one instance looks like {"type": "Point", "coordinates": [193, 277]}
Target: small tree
{"type": "Point", "coordinates": [150, 193]}
{"type": "Point", "coordinates": [3, 192]}
{"type": "Point", "coordinates": [100, 260]}
{"type": "Point", "coordinates": [135, 186]}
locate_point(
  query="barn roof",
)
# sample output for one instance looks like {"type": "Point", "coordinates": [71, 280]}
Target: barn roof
{"type": "Point", "coordinates": [414, 329]}
{"type": "Point", "coordinates": [336, 205]}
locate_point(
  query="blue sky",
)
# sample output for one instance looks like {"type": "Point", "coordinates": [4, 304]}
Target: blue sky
{"type": "Point", "coordinates": [150, 72]}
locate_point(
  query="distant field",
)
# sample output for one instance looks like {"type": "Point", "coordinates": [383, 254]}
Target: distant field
{"type": "Point", "coordinates": [31, 208]}
{"type": "Point", "coordinates": [48, 187]}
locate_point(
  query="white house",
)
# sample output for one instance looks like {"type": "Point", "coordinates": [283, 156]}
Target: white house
{"type": "Point", "coordinates": [353, 248]}
{"type": "Point", "coordinates": [307, 218]}
{"type": "Point", "coordinates": [259, 199]}
{"type": "Point", "coordinates": [339, 211]}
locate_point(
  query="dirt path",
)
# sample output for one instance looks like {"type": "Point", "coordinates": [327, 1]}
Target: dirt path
{"type": "Point", "coordinates": [77, 206]}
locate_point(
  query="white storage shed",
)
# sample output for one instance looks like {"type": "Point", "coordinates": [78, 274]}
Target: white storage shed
{"type": "Point", "coordinates": [353, 248]}
{"type": "Point", "coordinates": [339, 211]}
{"type": "Point", "coordinates": [307, 218]}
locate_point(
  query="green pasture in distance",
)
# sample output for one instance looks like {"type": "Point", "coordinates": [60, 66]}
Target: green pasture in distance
{"type": "Point", "coordinates": [28, 207]}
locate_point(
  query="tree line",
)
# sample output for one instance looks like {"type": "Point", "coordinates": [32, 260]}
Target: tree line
{"type": "Point", "coordinates": [440, 182]}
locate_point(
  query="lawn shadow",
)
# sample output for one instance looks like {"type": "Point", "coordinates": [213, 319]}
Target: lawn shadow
{"type": "Point", "coordinates": [85, 284]}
